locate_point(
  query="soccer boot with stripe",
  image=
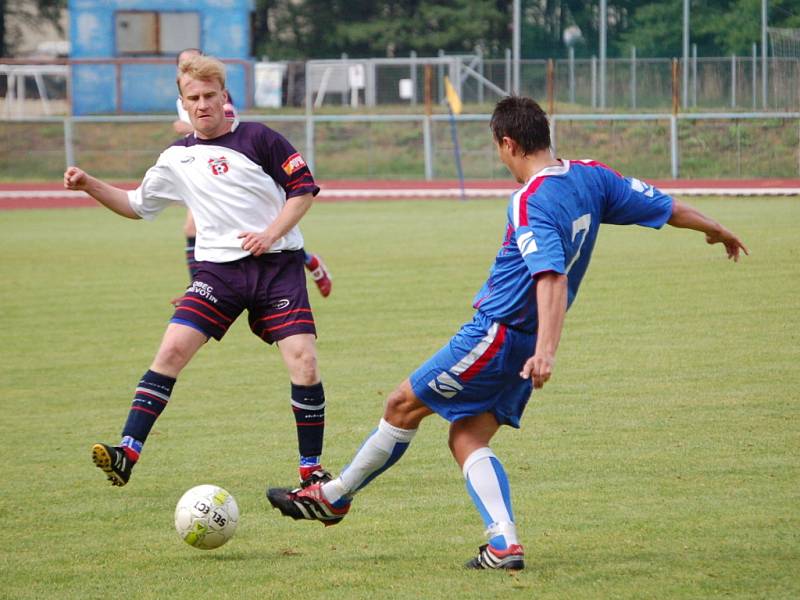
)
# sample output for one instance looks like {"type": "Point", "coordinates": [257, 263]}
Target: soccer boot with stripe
{"type": "Point", "coordinates": [114, 462]}
{"type": "Point", "coordinates": [492, 558]}
{"type": "Point", "coordinates": [307, 503]}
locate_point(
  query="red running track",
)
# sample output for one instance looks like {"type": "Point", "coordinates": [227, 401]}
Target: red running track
{"type": "Point", "coordinates": [53, 195]}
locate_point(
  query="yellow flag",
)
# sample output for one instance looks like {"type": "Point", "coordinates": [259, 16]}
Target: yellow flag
{"type": "Point", "coordinates": [452, 97]}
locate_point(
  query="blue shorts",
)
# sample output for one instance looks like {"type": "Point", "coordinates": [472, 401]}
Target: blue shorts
{"type": "Point", "coordinates": [478, 372]}
{"type": "Point", "coordinates": [271, 287]}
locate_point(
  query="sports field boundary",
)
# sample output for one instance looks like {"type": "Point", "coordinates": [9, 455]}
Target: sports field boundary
{"type": "Point", "coordinates": [38, 195]}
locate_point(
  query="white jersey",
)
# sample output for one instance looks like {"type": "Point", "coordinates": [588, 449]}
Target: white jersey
{"type": "Point", "coordinates": [182, 114]}
{"type": "Point", "coordinates": [235, 183]}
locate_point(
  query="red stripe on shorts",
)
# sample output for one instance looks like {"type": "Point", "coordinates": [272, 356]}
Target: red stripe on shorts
{"type": "Point", "coordinates": [490, 353]}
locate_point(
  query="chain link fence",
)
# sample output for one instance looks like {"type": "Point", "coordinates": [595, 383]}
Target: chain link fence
{"type": "Point", "coordinates": [731, 83]}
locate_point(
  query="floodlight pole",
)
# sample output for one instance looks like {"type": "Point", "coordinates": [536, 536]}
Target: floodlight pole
{"type": "Point", "coordinates": [685, 65]}
{"type": "Point", "coordinates": [603, 43]}
{"type": "Point", "coordinates": [515, 45]}
{"type": "Point", "coordinates": [764, 49]}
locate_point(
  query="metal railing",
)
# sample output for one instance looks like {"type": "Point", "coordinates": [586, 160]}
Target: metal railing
{"type": "Point", "coordinates": [416, 146]}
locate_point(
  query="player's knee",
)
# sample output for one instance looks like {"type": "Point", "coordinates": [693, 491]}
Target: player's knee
{"type": "Point", "coordinates": [171, 358]}
{"type": "Point", "coordinates": [403, 409]}
{"type": "Point", "coordinates": [303, 367]}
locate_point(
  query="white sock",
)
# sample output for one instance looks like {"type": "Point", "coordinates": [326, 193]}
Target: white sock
{"type": "Point", "coordinates": [380, 450]}
{"type": "Point", "coordinates": [488, 487]}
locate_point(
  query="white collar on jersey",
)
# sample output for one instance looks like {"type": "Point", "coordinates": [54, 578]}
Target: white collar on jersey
{"type": "Point", "coordinates": [559, 170]}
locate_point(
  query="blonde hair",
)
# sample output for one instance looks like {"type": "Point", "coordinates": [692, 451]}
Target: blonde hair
{"type": "Point", "coordinates": [204, 68]}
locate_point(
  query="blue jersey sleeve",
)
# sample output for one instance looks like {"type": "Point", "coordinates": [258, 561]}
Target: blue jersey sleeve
{"type": "Point", "coordinates": [539, 242]}
{"type": "Point", "coordinates": [634, 202]}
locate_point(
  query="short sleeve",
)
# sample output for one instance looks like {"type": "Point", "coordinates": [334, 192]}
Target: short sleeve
{"type": "Point", "coordinates": [286, 165]}
{"type": "Point", "coordinates": [634, 202]}
{"type": "Point", "coordinates": [155, 193]}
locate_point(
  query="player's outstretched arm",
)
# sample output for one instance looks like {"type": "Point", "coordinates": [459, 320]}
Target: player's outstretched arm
{"type": "Point", "coordinates": [551, 299]}
{"type": "Point", "coordinates": [688, 217]}
{"type": "Point", "coordinates": [113, 198]}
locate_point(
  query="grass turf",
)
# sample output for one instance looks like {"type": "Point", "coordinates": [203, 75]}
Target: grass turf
{"type": "Point", "coordinates": [659, 462]}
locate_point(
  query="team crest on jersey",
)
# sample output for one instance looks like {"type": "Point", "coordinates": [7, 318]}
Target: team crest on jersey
{"type": "Point", "coordinates": [293, 163]}
{"type": "Point", "coordinates": [218, 166]}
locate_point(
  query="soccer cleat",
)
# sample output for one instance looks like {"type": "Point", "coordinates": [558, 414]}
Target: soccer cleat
{"type": "Point", "coordinates": [306, 503]}
{"type": "Point", "coordinates": [492, 558]}
{"type": "Point", "coordinates": [320, 275]}
{"type": "Point", "coordinates": [114, 462]}
{"type": "Point", "coordinates": [318, 475]}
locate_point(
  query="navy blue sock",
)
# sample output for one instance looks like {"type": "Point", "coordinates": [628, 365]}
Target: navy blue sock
{"type": "Point", "coordinates": [152, 395]}
{"type": "Point", "coordinates": [308, 405]}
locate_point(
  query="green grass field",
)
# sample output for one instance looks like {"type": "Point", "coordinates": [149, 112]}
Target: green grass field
{"type": "Point", "coordinates": [661, 461]}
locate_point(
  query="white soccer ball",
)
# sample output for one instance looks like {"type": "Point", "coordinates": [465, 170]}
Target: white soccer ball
{"type": "Point", "coordinates": [206, 516]}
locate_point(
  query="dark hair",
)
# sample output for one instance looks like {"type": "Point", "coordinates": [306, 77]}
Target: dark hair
{"type": "Point", "coordinates": [524, 121]}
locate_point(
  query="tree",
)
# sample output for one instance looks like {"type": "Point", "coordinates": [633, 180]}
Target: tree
{"type": "Point", "coordinates": [327, 28]}
{"type": "Point", "coordinates": [302, 29]}
{"type": "Point", "coordinates": [30, 12]}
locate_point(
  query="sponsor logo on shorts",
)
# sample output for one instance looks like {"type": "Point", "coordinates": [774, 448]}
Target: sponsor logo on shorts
{"type": "Point", "coordinates": [445, 385]}
{"type": "Point", "coordinates": [203, 290]}
{"type": "Point", "coordinates": [280, 304]}
{"type": "Point", "coordinates": [293, 163]}
{"type": "Point", "coordinates": [218, 166]}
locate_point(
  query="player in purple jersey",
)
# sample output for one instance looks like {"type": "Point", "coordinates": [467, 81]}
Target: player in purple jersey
{"type": "Point", "coordinates": [247, 188]}
{"type": "Point", "coordinates": [483, 377]}
{"type": "Point", "coordinates": [183, 126]}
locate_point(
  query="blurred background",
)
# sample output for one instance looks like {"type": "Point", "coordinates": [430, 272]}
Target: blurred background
{"type": "Point", "coordinates": [671, 88]}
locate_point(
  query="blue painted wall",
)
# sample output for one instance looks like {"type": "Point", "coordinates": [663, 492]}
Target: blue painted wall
{"type": "Point", "coordinates": [224, 33]}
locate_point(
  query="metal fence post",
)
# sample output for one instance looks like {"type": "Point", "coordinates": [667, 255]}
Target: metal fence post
{"type": "Point", "coordinates": [755, 71]}
{"type": "Point", "coordinates": [413, 56]}
{"type": "Point", "coordinates": [694, 75]}
{"type": "Point", "coordinates": [427, 141]}
{"type": "Point", "coordinates": [594, 82]}
{"type": "Point", "coordinates": [733, 81]}
{"type": "Point", "coordinates": [572, 74]}
{"type": "Point", "coordinates": [673, 144]}
{"type": "Point", "coordinates": [309, 151]}
{"type": "Point", "coordinates": [440, 72]}
{"type": "Point", "coordinates": [508, 72]}
{"type": "Point", "coordinates": [479, 54]}
{"type": "Point", "coordinates": [633, 77]}
{"type": "Point", "coordinates": [69, 151]}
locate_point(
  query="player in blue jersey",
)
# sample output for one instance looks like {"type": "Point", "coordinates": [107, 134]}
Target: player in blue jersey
{"type": "Point", "coordinates": [247, 188]}
{"type": "Point", "coordinates": [483, 377]}
{"type": "Point", "coordinates": [183, 126]}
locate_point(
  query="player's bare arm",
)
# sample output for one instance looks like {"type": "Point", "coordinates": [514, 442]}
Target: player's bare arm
{"type": "Point", "coordinates": [551, 298]}
{"type": "Point", "coordinates": [688, 217]}
{"type": "Point", "coordinates": [259, 242]}
{"type": "Point", "coordinates": [182, 127]}
{"type": "Point", "coordinates": [113, 198]}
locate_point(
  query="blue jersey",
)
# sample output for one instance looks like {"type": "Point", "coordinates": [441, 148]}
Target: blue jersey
{"type": "Point", "coordinates": [553, 221]}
